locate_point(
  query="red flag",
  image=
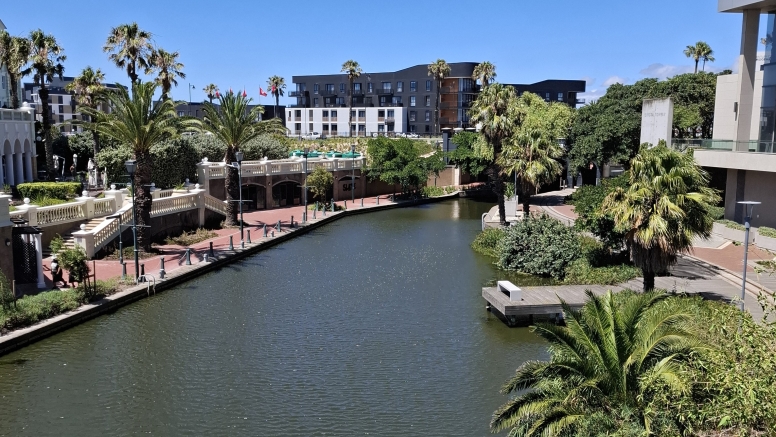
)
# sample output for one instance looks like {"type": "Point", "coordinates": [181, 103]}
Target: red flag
{"type": "Point", "coordinates": [218, 95]}
{"type": "Point", "coordinates": [245, 94]}
{"type": "Point", "coordinates": [230, 90]}
{"type": "Point", "coordinates": [274, 88]}
{"type": "Point", "coordinates": [262, 93]}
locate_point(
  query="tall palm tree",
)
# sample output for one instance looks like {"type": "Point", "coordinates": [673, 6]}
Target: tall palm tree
{"type": "Point", "coordinates": [168, 68]}
{"type": "Point", "coordinates": [234, 125]}
{"type": "Point", "coordinates": [129, 48]}
{"type": "Point", "coordinates": [139, 122]}
{"type": "Point", "coordinates": [14, 55]}
{"type": "Point", "coordinates": [484, 72]}
{"type": "Point", "coordinates": [664, 207]}
{"type": "Point", "coordinates": [534, 160]}
{"type": "Point", "coordinates": [353, 71]}
{"type": "Point", "coordinates": [87, 87]}
{"type": "Point", "coordinates": [700, 51]}
{"type": "Point", "coordinates": [439, 70]}
{"type": "Point", "coordinates": [497, 114]}
{"type": "Point", "coordinates": [608, 358]}
{"type": "Point", "coordinates": [276, 85]}
{"type": "Point", "coordinates": [46, 56]}
{"type": "Point", "coordinates": [211, 91]}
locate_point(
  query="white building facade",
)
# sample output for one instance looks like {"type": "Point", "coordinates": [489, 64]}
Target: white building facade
{"type": "Point", "coordinates": [364, 121]}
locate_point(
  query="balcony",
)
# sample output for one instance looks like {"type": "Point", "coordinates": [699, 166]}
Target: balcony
{"type": "Point", "coordinates": [355, 93]}
{"type": "Point", "coordinates": [389, 120]}
{"type": "Point", "coordinates": [449, 89]}
{"type": "Point", "coordinates": [297, 93]}
{"type": "Point", "coordinates": [327, 93]}
{"type": "Point", "coordinates": [580, 101]}
{"type": "Point", "coordinates": [385, 91]}
{"type": "Point", "coordinates": [361, 119]}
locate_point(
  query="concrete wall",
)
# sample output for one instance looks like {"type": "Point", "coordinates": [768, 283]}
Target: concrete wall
{"type": "Point", "coordinates": [6, 253]}
{"type": "Point", "coordinates": [174, 224]}
{"type": "Point", "coordinates": [725, 104]}
{"type": "Point", "coordinates": [751, 185]}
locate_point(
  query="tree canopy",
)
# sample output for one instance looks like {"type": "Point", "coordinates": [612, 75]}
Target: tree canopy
{"type": "Point", "coordinates": [398, 162]}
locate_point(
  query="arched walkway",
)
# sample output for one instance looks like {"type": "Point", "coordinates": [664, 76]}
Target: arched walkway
{"type": "Point", "coordinates": [28, 156]}
{"type": "Point", "coordinates": [286, 193]}
{"type": "Point", "coordinates": [256, 194]}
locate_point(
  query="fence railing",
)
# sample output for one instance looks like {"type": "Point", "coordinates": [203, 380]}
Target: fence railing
{"type": "Point", "coordinates": [729, 145]}
{"type": "Point", "coordinates": [214, 204]}
{"type": "Point", "coordinates": [105, 206]}
{"type": "Point", "coordinates": [68, 212]}
{"type": "Point", "coordinates": [161, 194]}
{"type": "Point", "coordinates": [174, 204]}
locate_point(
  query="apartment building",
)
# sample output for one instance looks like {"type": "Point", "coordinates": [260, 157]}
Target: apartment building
{"type": "Point", "coordinates": [197, 110]}
{"type": "Point", "coordinates": [741, 155]}
{"type": "Point", "coordinates": [62, 104]}
{"type": "Point", "coordinates": [5, 82]}
{"type": "Point", "coordinates": [402, 101]}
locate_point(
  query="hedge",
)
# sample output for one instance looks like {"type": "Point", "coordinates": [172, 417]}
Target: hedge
{"type": "Point", "coordinates": [539, 246]}
{"type": "Point", "coordinates": [56, 190]}
{"type": "Point", "coordinates": [765, 231]}
{"type": "Point", "coordinates": [731, 224]}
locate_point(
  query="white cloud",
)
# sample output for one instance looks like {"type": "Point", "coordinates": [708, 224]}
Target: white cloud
{"type": "Point", "coordinates": [589, 81]}
{"type": "Point", "coordinates": [613, 80]}
{"type": "Point", "coordinates": [663, 71]}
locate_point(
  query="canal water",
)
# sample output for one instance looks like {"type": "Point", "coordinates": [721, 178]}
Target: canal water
{"type": "Point", "coordinates": [372, 325]}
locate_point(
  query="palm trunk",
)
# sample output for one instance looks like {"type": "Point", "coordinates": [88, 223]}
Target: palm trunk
{"type": "Point", "coordinates": [350, 106]}
{"type": "Point", "coordinates": [232, 190]}
{"type": "Point", "coordinates": [43, 93]}
{"type": "Point", "coordinates": [649, 279]}
{"type": "Point", "coordinates": [526, 202]}
{"type": "Point", "coordinates": [696, 66]}
{"type": "Point", "coordinates": [143, 199]}
{"type": "Point", "coordinates": [436, 115]}
{"type": "Point", "coordinates": [14, 91]}
{"type": "Point", "coordinates": [277, 103]}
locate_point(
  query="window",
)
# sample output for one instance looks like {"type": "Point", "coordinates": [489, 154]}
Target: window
{"type": "Point", "coordinates": [399, 86]}
{"type": "Point", "coordinates": [298, 113]}
{"type": "Point", "coordinates": [298, 127]}
{"type": "Point", "coordinates": [4, 83]}
{"type": "Point", "coordinates": [361, 128]}
{"type": "Point", "coordinates": [60, 100]}
{"type": "Point", "coordinates": [340, 100]}
{"type": "Point", "coordinates": [61, 109]}
{"type": "Point", "coordinates": [310, 114]}
{"type": "Point", "coordinates": [342, 87]}
{"type": "Point", "coordinates": [547, 96]}
{"type": "Point", "coordinates": [428, 100]}
{"type": "Point", "coordinates": [413, 128]}
{"type": "Point", "coordinates": [329, 88]}
{"type": "Point", "coordinates": [289, 115]}
{"type": "Point", "coordinates": [412, 100]}
{"type": "Point", "coordinates": [390, 113]}
{"type": "Point", "coordinates": [383, 101]}
{"type": "Point", "coordinates": [315, 102]}
{"type": "Point", "coordinates": [325, 128]}
{"type": "Point", "coordinates": [396, 101]}
{"type": "Point", "coordinates": [428, 85]}
{"type": "Point", "coordinates": [560, 97]}
{"type": "Point", "coordinates": [428, 115]}
{"type": "Point", "coordinates": [334, 129]}
{"type": "Point", "coordinates": [352, 114]}
{"type": "Point", "coordinates": [381, 114]}
{"type": "Point", "coordinates": [369, 87]}
{"type": "Point", "coordinates": [380, 128]}
{"type": "Point", "coordinates": [357, 87]}
{"type": "Point", "coordinates": [390, 128]}
{"type": "Point", "coordinates": [181, 113]}
{"type": "Point", "coordinates": [325, 114]}
{"type": "Point", "coordinates": [386, 86]}
{"type": "Point", "coordinates": [361, 114]}
{"type": "Point", "coordinates": [334, 114]}
{"type": "Point", "coordinates": [413, 86]}
{"type": "Point", "coordinates": [310, 127]}
{"type": "Point", "coordinates": [428, 128]}
{"type": "Point", "coordinates": [315, 89]}
{"type": "Point", "coordinates": [352, 128]}
{"type": "Point", "coordinates": [412, 115]}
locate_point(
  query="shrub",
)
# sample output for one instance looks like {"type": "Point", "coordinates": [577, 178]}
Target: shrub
{"type": "Point", "coordinates": [766, 232]}
{"type": "Point", "coordinates": [587, 202]}
{"type": "Point", "coordinates": [487, 241]}
{"type": "Point", "coordinates": [174, 162]}
{"type": "Point", "coordinates": [47, 201]}
{"type": "Point", "coordinates": [29, 310]}
{"type": "Point", "coordinates": [717, 212]}
{"type": "Point", "coordinates": [56, 190]}
{"type": "Point", "coordinates": [75, 262]}
{"type": "Point", "coordinates": [193, 237]}
{"type": "Point", "coordinates": [731, 224]}
{"type": "Point", "coordinates": [320, 181]}
{"type": "Point", "coordinates": [539, 246]}
{"type": "Point", "coordinates": [113, 159]}
{"type": "Point", "coordinates": [208, 146]}
{"type": "Point", "coordinates": [582, 272]}
{"type": "Point", "coordinates": [432, 191]}
{"type": "Point", "coordinates": [56, 244]}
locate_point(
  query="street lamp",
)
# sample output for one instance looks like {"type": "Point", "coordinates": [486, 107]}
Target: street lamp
{"type": "Point", "coordinates": [748, 209]}
{"type": "Point", "coordinates": [305, 152]}
{"type": "Point", "coordinates": [75, 164]}
{"type": "Point", "coordinates": [352, 173]}
{"type": "Point", "coordinates": [238, 157]}
{"type": "Point", "coordinates": [569, 179]}
{"type": "Point", "coordinates": [131, 166]}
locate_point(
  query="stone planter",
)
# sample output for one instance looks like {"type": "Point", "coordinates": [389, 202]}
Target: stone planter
{"type": "Point", "coordinates": [730, 233]}
{"type": "Point", "coordinates": [763, 242]}
{"type": "Point", "coordinates": [510, 208]}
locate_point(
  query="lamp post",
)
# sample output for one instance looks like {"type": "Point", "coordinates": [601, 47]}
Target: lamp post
{"type": "Point", "coordinates": [305, 152]}
{"type": "Point", "coordinates": [352, 173]}
{"type": "Point", "coordinates": [569, 178]}
{"type": "Point", "coordinates": [239, 157]}
{"type": "Point", "coordinates": [748, 209]}
{"type": "Point", "coordinates": [75, 164]}
{"type": "Point", "coordinates": [131, 166]}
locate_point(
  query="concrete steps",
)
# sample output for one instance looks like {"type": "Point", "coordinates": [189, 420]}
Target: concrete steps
{"type": "Point", "coordinates": [69, 240]}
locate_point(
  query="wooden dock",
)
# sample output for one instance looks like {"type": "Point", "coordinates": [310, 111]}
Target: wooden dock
{"type": "Point", "coordinates": [539, 304]}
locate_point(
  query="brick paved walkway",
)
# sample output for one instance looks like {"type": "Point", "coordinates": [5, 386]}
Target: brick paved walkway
{"type": "Point", "coordinates": [174, 256]}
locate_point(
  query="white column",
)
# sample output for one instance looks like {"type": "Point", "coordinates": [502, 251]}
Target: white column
{"type": "Point", "coordinates": [28, 167]}
{"type": "Point", "coordinates": [2, 172]}
{"type": "Point", "coordinates": [746, 71]}
{"type": "Point", "coordinates": [39, 258]}
{"type": "Point", "coordinates": [18, 167]}
{"type": "Point", "coordinates": [9, 169]}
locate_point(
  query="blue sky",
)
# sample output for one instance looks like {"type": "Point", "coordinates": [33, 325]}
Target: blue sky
{"type": "Point", "coordinates": [241, 43]}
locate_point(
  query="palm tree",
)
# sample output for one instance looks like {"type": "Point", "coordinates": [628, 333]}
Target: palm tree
{"type": "Point", "coordinates": [353, 71]}
{"type": "Point", "coordinates": [608, 358]}
{"type": "Point", "coordinates": [439, 70]}
{"type": "Point", "coordinates": [87, 87]}
{"type": "Point", "coordinates": [137, 121]}
{"type": "Point", "coordinates": [234, 125]}
{"type": "Point", "coordinates": [211, 91]}
{"type": "Point", "coordinates": [14, 55]}
{"type": "Point", "coordinates": [700, 51]}
{"type": "Point", "coordinates": [533, 159]}
{"type": "Point", "coordinates": [166, 63]}
{"type": "Point", "coordinates": [664, 207]}
{"type": "Point", "coordinates": [484, 72]}
{"type": "Point", "coordinates": [276, 85]}
{"type": "Point", "coordinates": [496, 112]}
{"type": "Point", "coordinates": [46, 56]}
{"type": "Point", "coordinates": [129, 47]}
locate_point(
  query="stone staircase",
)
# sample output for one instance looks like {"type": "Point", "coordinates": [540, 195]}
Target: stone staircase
{"type": "Point", "coordinates": [68, 237]}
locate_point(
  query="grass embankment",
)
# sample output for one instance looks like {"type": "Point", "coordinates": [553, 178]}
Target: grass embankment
{"type": "Point", "coordinates": [29, 310]}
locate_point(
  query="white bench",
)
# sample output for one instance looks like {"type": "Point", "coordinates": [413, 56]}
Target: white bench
{"type": "Point", "coordinates": [511, 290]}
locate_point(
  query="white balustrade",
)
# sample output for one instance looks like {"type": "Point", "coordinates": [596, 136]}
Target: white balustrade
{"type": "Point", "coordinates": [103, 207]}
{"type": "Point", "coordinates": [161, 194]}
{"type": "Point", "coordinates": [67, 212]}
{"type": "Point", "coordinates": [174, 204]}
{"type": "Point", "coordinates": [214, 204]}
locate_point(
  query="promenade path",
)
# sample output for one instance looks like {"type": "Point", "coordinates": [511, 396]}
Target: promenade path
{"type": "Point", "coordinates": [174, 256]}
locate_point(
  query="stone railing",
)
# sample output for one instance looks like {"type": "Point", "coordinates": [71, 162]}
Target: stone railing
{"type": "Point", "coordinates": [161, 194]}
{"type": "Point", "coordinates": [22, 114]}
{"type": "Point", "coordinates": [82, 209]}
{"type": "Point", "coordinates": [67, 212]}
{"type": "Point", "coordinates": [216, 170]}
{"type": "Point", "coordinates": [104, 206]}
{"type": "Point", "coordinates": [214, 204]}
{"type": "Point", "coordinates": [171, 205]}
